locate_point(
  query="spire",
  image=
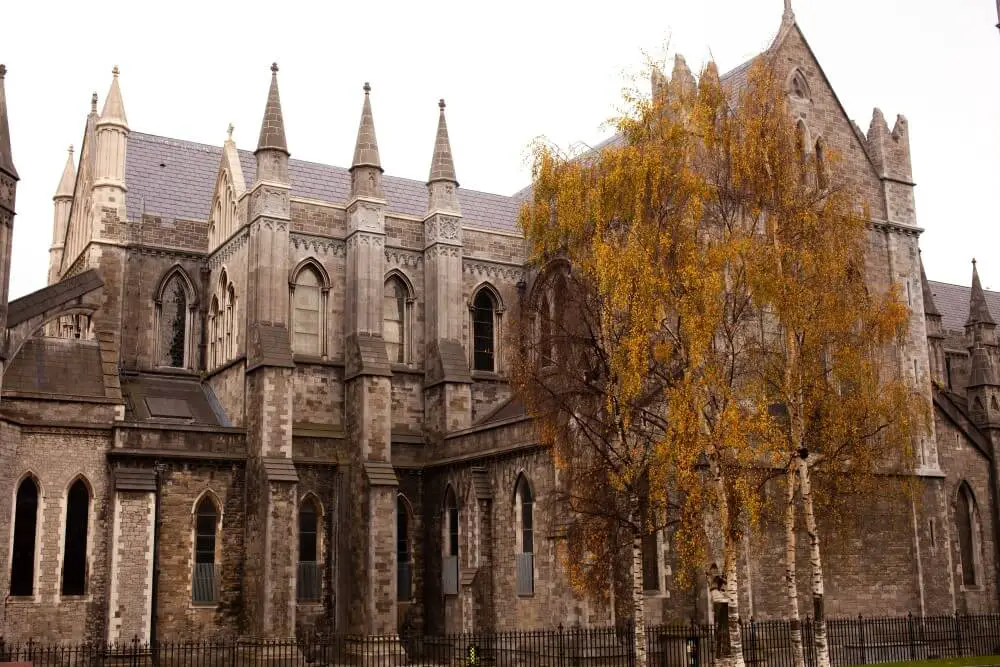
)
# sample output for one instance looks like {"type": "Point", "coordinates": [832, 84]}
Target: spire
{"type": "Point", "coordinates": [442, 164]}
{"type": "Point", "coordinates": [272, 128]}
{"type": "Point", "coordinates": [6, 160]}
{"type": "Point", "coordinates": [979, 312]}
{"type": "Point", "coordinates": [68, 181]}
{"type": "Point", "coordinates": [366, 148]}
{"type": "Point", "coordinates": [930, 308]}
{"type": "Point", "coordinates": [114, 108]}
{"type": "Point", "coordinates": [981, 371]}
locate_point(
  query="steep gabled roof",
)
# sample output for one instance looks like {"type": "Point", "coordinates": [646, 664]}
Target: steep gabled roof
{"type": "Point", "coordinates": [952, 302]}
{"type": "Point", "coordinates": [175, 179]}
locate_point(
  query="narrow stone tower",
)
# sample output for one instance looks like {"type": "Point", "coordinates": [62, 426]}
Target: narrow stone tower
{"type": "Point", "coordinates": [109, 160]}
{"type": "Point", "coordinates": [271, 476]}
{"type": "Point", "coordinates": [371, 546]}
{"type": "Point", "coordinates": [447, 384]}
{"type": "Point", "coordinates": [8, 190]}
{"type": "Point", "coordinates": [62, 202]}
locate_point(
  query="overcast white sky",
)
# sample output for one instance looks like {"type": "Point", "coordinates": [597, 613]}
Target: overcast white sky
{"type": "Point", "coordinates": [510, 71]}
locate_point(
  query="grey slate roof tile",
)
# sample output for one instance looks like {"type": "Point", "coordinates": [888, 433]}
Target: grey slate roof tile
{"type": "Point", "coordinates": [182, 187]}
{"type": "Point", "coordinates": [953, 303]}
{"type": "Point", "coordinates": [63, 366]}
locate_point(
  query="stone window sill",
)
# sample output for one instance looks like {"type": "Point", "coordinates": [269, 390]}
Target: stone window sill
{"type": "Point", "coordinates": [487, 375]}
{"type": "Point", "coordinates": [75, 598]}
{"type": "Point", "coordinates": [203, 606]}
{"type": "Point", "coordinates": [309, 603]}
{"type": "Point", "coordinates": [22, 599]}
{"type": "Point", "coordinates": [525, 596]}
{"type": "Point", "coordinates": [975, 588]}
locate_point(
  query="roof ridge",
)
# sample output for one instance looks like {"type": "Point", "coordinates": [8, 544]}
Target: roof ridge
{"type": "Point", "coordinates": [944, 282]}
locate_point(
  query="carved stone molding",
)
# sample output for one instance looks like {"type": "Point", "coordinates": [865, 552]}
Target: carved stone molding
{"type": "Point", "coordinates": [318, 244]}
{"type": "Point", "coordinates": [363, 216]}
{"type": "Point", "coordinates": [362, 240]}
{"type": "Point", "coordinates": [7, 190]}
{"type": "Point", "coordinates": [229, 248]}
{"type": "Point", "coordinates": [398, 257]}
{"type": "Point", "coordinates": [269, 201]}
{"type": "Point", "coordinates": [440, 250]}
{"type": "Point", "coordinates": [493, 271]}
{"type": "Point", "coordinates": [442, 229]}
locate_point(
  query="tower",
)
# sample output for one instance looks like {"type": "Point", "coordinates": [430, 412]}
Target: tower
{"type": "Point", "coordinates": [370, 545]}
{"type": "Point", "coordinates": [271, 477]}
{"type": "Point", "coordinates": [62, 202]}
{"type": "Point", "coordinates": [447, 393]}
{"type": "Point", "coordinates": [8, 190]}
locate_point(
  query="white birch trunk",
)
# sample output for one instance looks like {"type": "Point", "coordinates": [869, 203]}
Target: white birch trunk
{"type": "Point", "coordinates": [815, 566]}
{"type": "Point", "coordinates": [638, 602]}
{"type": "Point", "coordinates": [791, 587]}
{"type": "Point", "coordinates": [735, 658]}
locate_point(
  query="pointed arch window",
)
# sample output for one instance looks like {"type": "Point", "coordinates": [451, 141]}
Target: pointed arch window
{"type": "Point", "coordinates": [213, 323]}
{"type": "Point", "coordinates": [404, 554]}
{"type": "Point", "coordinates": [309, 581]}
{"type": "Point", "coordinates": [22, 565]}
{"type": "Point", "coordinates": [820, 165]}
{"type": "Point", "coordinates": [967, 520]}
{"type": "Point", "coordinates": [524, 512]}
{"type": "Point", "coordinates": [174, 309]}
{"type": "Point", "coordinates": [204, 588]}
{"type": "Point", "coordinates": [798, 87]}
{"type": "Point", "coordinates": [231, 321]}
{"type": "Point", "coordinates": [486, 312]}
{"type": "Point", "coordinates": [449, 571]}
{"type": "Point", "coordinates": [74, 575]}
{"type": "Point", "coordinates": [394, 329]}
{"type": "Point", "coordinates": [308, 298]}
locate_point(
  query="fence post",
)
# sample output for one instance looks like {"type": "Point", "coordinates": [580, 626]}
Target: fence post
{"type": "Point", "coordinates": [958, 635]}
{"type": "Point", "coordinates": [912, 637]}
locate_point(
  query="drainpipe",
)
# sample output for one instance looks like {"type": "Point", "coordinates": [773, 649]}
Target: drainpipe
{"type": "Point", "coordinates": [158, 469]}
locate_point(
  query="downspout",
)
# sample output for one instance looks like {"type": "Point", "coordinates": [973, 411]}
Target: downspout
{"type": "Point", "coordinates": [158, 471]}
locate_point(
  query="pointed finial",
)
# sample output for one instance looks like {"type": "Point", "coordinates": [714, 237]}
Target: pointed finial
{"type": "Point", "coordinates": [366, 152]}
{"type": "Point", "coordinates": [3, 70]}
{"type": "Point", "coordinates": [979, 311]}
{"type": "Point", "coordinates": [93, 102]}
{"type": "Point", "coordinates": [67, 182]}
{"type": "Point", "coordinates": [229, 132]}
{"type": "Point", "coordinates": [789, 15]}
{"type": "Point", "coordinates": [114, 71]}
{"type": "Point", "coordinates": [272, 128]}
{"type": "Point", "coordinates": [114, 108]}
{"type": "Point", "coordinates": [442, 164]}
{"type": "Point", "coordinates": [70, 149]}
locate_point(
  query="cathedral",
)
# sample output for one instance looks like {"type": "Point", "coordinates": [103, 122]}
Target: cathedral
{"type": "Point", "coordinates": [263, 397]}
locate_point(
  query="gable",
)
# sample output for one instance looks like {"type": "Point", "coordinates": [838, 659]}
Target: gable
{"type": "Point", "coordinates": [824, 115]}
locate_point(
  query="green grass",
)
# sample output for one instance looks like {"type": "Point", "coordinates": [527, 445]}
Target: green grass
{"type": "Point", "coordinates": [949, 662]}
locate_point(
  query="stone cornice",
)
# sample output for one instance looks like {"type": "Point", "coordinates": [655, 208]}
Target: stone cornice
{"type": "Point", "coordinates": [320, 244]}
{"type": "Point", "coordinates": [493, 270]}
{"type": "Point", "coordinates": [896, 227]}
{"type": "Point", "coordinates": [235, 243]}
{"type": "Point", "coordinates": [396, 257]}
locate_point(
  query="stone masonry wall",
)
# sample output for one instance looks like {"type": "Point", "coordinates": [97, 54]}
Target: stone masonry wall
{"type": "Point", "coordinates": [181, 489]}
{"type": "Point", "coordinates": [131, 566]}
{"type": "Point", "coordinates": [407, 403]}
{"type": "Point", "coordinates": [319, 395]}
{"type": "Point", "coordinates": [56, 458]}
{"type": "Point", "coordinates": [229, 386]}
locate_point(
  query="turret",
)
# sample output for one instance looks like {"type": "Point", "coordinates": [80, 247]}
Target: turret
{"type": "Point", "coordinates": [109, 160]}
{"type": "Point", "coordinates": [447, 394]}
{"type": "Point", "coordinates": [366, 167]}
{"type": "Point", "coordinates": [272, 149]}
{"type": "Point", "coordinates": [62, 202]}
{"type": "Point", "coordinates": [890, 152]}
{"type": "Point", "coordinates": [8, 190]}
{"type": "Point", "coordinates": [979, 325]}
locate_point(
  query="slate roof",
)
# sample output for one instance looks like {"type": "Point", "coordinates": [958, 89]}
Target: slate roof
{"type": "Point", "coordinates": [171, 399]}
{"type": "Point", "coordinates": [183, 186]}
{"type": "Point", "coordinates": [953, 302]}
{"type": "Point", "coordinates": [67, 367]}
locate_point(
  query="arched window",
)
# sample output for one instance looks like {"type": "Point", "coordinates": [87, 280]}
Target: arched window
{"type": "Point", "coordinates": [309, 575]}
{"type": "Point", "coordinates": [484, 312]}
{"type": "Point", "coordinates": [74, 577]}
{"type": "Point", "coordinates": [394, 319]}
{"type": "Point", "coordinates": [173, 323]}
{"type": "Point", "coordinates": [213, 322]}
{"type": "Point", "coordinates": [449, 571]}
{"type": "Point", "coordinates": [524, 510]}
{"type": "Point", "coordinates": [231, 322]}
{"type": "Point", "coordinates": [545, 327]}
{"type": "Point", "coordinates": [204, 588]}
{"type": "Point", "coordinates": [820, 166]}
{"type": "Point", "coordinates": [404, 556]}
{"type": "Point", "coordinates": [799, 88]}
{"type": "Point", "coordinates": [966, 516]}
{"type": "Point", "coordinates": [306, 312]}
{"type": "Point", "coordinates": [22, 565]}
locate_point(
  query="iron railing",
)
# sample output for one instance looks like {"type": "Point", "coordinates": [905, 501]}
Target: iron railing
{"type": "Point", "coordinates": [853, 641]}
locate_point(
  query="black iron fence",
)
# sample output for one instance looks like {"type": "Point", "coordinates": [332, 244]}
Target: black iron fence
{"type": "Point", "coordinates": [854, 641]}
